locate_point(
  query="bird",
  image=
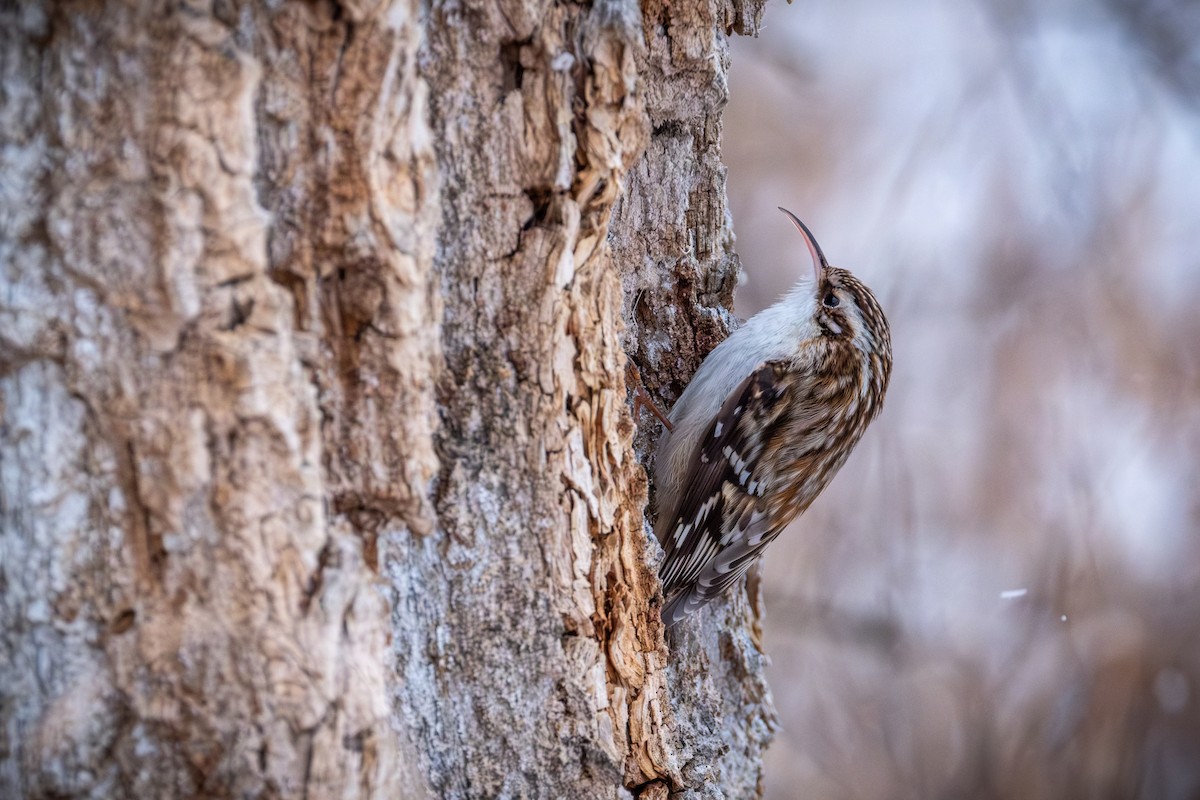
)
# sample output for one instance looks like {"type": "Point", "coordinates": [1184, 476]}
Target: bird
{"type": "Point", "coordinates": [764, 425]}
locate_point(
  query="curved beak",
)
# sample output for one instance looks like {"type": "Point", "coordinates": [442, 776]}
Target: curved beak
{"type": "Point", "coordinates": [814, 249]}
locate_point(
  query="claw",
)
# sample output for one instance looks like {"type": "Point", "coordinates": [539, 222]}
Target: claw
{"type": "Point", "coordinates": [642, 399]}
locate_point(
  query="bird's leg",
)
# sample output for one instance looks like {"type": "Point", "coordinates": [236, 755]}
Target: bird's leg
{"type": "Point", "coordinates": [641, 398]}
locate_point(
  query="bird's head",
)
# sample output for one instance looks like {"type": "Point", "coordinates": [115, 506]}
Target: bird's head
{"type": "Point", "coordinates": [843, 308]}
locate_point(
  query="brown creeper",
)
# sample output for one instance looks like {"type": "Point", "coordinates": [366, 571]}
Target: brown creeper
{"type": "Point", "coordinates": [765, 424]}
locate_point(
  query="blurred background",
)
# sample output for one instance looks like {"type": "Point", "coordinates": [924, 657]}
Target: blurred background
{"type": "Point", "coordinates": [999, 595]}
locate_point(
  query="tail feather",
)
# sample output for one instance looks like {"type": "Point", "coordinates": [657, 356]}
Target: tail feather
{"type": "Point", "coordinates": [682, 604]}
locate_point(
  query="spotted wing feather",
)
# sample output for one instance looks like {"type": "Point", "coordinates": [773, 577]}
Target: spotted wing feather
{"type": "Point", "coordinates": [723, 520]}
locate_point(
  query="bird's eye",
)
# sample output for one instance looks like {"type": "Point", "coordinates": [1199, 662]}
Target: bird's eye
{"type": "Point", "coordinates": [831, 300]}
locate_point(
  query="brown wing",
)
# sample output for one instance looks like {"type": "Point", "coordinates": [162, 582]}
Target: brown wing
{"type": "Point", "coordinates": [722, 522]}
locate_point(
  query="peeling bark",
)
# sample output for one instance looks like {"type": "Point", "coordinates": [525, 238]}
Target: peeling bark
{"type": "Point", "coordinates": [317, 475]}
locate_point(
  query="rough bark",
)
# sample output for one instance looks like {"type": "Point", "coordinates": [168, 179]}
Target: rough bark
{"type": "Point", "coordinates": [317, 475]}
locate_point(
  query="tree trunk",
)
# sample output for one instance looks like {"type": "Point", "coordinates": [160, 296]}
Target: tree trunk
{"type": "Point", "coordinates": [317, 474]}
